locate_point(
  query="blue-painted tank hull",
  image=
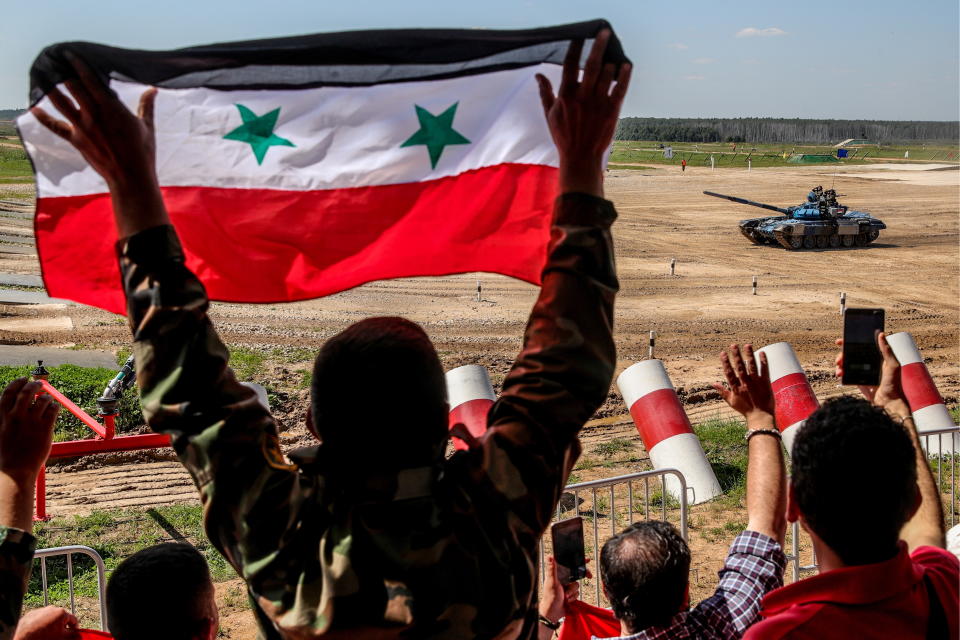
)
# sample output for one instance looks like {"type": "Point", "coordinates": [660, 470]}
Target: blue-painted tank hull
{"type": "Point", "coordinates": [854, 228]}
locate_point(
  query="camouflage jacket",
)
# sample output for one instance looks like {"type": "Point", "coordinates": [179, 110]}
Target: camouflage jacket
{"type": "Point", "coordinates": [16, 557]}
{"type": "Point", "coordinates": [436, 552]}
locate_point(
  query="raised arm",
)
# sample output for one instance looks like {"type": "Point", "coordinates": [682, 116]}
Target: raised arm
{"type": "Point", "coordinates": [926, 526]}
{"type": "Point", "coordinates": [563, 372]}
{"type": "Point", "coordinates": [26, 429]}
{"type": "Point", "coordinates": [748, 392]}
{"type": "Point", "coordinates": [222, 434]}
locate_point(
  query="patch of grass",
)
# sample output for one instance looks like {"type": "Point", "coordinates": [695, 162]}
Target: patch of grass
{"type": "Point", "coordinates": [611, 448]}
{"type": "Point", "coordinates": [246, 362]}
{"type": "Point", "coordinates": [115, 535]}
{"type": "Point", "coordinates": [726, 450]}
{"type": "Point", "coordinates": [955, 413]}
{"type": "Point", "coordinates": [14, 164]}
{"type": "Point", "coordinates": [585, 462]}
{"type": "Point", "coordinates": [574, 478]}
{"type": "Point", "coordinates": [83, 385]}
{"type": "Point", "coordinates": [306, 377]}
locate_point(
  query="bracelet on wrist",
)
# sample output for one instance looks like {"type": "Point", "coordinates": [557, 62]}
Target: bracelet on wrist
{"type": "Point", "coordinates": [548, 624]}
{"type": "Point", "coordinates": [770, 432]}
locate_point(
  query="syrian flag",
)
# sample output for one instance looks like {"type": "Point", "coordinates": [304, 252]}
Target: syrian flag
{"type": "Point", "coordinates": [298, 167]}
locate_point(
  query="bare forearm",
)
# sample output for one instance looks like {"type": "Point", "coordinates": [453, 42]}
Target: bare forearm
{"type": "Point", "coordinates": [766, 481]}
{"type": "Point", "coordinates": [582, 177]}
{"type": "Point", "coordinates": [16, 501]}
{"type": "Point", "coordinates": [926, 525]}
{"type": "Point", "coordinates": [137, 205]}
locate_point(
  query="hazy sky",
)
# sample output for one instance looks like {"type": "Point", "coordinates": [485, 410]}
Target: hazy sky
{"type": "Point", "coordinates": [878, 59]}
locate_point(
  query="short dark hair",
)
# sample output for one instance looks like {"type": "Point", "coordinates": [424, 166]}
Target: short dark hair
{"type": "Point", "coordinates": [854, 479]}
{"type": "Point", "coordinates": [379, 385]}
{"type": "Point", "coordinates": [645, 571]}
{"type": "Point", "coordinates": [159, 593]}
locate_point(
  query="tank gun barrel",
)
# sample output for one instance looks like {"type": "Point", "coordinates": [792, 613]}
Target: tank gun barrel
{"type": "Point", "coordinates": [749, 202]}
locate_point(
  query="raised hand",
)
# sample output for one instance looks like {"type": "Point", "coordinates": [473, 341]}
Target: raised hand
{"type": "Point", "coordinates": [889, 393]}
{"type": "Point", "coordinates": [583, 115]}
{"type": "Point", "coordinates": [26, 429]}
{"type": "Point", "coordinates": [48, 623]}
{"type": "Point", "coordinates": [747, 389]}
{"type": "Point", "coordinates": [119, 145]}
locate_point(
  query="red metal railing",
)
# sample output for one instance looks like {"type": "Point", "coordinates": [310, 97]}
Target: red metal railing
{"type": "Point", "coordinates": [104, 442]}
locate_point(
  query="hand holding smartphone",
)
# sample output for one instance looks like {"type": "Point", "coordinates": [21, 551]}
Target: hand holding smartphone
{"type": "Point", "coordinates": [861, 355]}
{"type": "Point", "coordinates": [568, 550]}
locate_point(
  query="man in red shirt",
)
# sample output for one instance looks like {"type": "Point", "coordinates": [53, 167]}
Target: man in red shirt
{"type": "Point", "coordinates": [862, 489]}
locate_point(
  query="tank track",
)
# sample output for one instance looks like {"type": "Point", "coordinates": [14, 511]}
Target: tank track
{"type": "Point", "coordinates": [860, 240]}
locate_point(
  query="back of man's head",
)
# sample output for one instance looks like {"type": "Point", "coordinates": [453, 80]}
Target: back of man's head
{"type": "Point", "coordinates": [378, 387]}
{"type": "Point", "coordinates": [645, 573]}
{"type": "Point", "coordinates": [162, 592]}
{"type": "Point", "coordinates": [854, 479]}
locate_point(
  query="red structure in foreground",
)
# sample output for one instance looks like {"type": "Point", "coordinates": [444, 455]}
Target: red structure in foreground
{"type": "Point", "coordinates": [105, 440]}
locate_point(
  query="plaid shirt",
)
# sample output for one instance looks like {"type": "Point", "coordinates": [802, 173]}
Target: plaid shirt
{"type": "Point", "coordinates": [754, 567]}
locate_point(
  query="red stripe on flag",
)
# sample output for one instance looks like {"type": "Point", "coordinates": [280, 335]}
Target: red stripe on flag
{"type": "Point", "coordinates": [918, 386]}
{"type": "Point", "coordinates": [794, 399]}
{"type": "Point", "coordinates": [473, 415]}
{"type": "Point", "coordinates": [658, 416]}
{"type": "Point", "coordinates": [266, 245]}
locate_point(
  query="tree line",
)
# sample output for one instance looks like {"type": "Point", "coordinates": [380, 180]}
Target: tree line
{"type": "Point", "coordinates": [785, 130]}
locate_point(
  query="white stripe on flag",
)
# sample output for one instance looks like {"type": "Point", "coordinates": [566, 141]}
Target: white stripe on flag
{"type": "Point", "coordinates": [344, 136]}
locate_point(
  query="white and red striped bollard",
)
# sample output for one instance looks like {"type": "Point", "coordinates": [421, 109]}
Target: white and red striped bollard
{"type": "Point", "coordinates": [792, 393]}
{"type": "Point", "coordinates": [665, 429]}
{"type": "Point", "coordinates": [470, 395]}
{"type": "Point", "coordinates": [926, 404]}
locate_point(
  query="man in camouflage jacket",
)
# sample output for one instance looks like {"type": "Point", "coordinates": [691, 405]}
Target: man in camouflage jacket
{"type": "Point", "coordinates": [439, 550]}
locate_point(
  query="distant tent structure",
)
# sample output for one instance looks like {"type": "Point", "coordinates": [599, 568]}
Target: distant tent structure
{"type": "Point", "coordinates": [855, 143]}
{"type": "Point", "coordinates": [811, 158]}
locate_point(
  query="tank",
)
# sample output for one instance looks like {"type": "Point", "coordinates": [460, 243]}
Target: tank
{"type": "Point", "coordinates": [819, 223]}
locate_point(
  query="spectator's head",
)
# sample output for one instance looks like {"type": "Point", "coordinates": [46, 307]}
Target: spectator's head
{"type": "Point", "coordinates": [854, 480]}
{"type": "Point", "coordinates": [163, 592]}
{"type": "Point", "coordinates": [378, 386]}
{"type": "Point", "coordinates": [645, 574]}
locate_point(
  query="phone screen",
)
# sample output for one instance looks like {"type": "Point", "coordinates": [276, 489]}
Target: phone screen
{"type": "Point", "coordinates": [861, 356]}
{"type": "Point", "coordinates": [568, 550]}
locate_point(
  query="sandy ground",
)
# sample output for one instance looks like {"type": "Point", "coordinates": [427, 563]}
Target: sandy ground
{"type": "Point", "coordinates": [913, 271]}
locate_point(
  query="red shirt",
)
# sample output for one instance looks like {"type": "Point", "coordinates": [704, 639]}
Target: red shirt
{"type": "Point", "coordinates": [883, 600]}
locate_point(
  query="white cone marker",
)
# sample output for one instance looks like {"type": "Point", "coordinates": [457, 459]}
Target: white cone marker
{"type": "Point", "coordinates": [666, 431]}
{"type": "Point", "coordinates": [471, 396]}
{"type": "Point", "coordinates": [792, 393]}
{"type": "Point", "coordinates": [929, 411]}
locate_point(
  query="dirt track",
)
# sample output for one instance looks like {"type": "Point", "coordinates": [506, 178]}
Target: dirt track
{"type": "Point", "coordinates": [913, 271]}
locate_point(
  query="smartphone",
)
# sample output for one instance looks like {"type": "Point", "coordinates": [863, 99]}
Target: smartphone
{"type": "Point", "coordinates": [568, 550]}
{"type": "Point", "coordinates": [861, 356]}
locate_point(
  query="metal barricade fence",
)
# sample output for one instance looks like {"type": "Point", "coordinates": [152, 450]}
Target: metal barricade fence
{"type": "Point", "coordinates": [597, 503]}
{"type": "Point", "coordinates": [943, 453]}
{"type": "Point", "coordinates": [68, 551]}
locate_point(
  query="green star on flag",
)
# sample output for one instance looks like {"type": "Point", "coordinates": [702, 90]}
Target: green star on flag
{"type": "Point", "coordinates": [257, 131]}
{"type": "Point", "coordinates": [436, 132]}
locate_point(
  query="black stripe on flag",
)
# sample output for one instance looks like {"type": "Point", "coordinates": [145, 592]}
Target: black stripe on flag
{"type": "Point", "coordinates": [348, 58]}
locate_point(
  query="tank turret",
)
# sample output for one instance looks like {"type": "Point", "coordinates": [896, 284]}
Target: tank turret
{"type": "Point", "coordinates": [819, 223]}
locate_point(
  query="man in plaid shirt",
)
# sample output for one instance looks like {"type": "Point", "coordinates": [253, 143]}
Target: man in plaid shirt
{"type": "Point", "coordinates": [645, 569]}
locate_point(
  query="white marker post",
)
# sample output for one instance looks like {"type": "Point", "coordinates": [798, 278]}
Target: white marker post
{"type": "Point", "coordinates": [754, 285]}
{"type": "Point", "coordinates": [479, 290]}
{"type": "Point", "coordinates": [665, 430]}
{"type": "Point", "coordinates": [712, 167]}
{"type": "Point", "coordinates": [929, 411]}
{"type": "Point", "coordinates": [470, 395]}
{"type": "Point", "coordinates": [673, 265]}
{"type": "Point", "coordinates": [843, 302]}
{"type": "Point", "coordinates": [749, 164]}
{"type": "Point", "coordinates": [653, 339]}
